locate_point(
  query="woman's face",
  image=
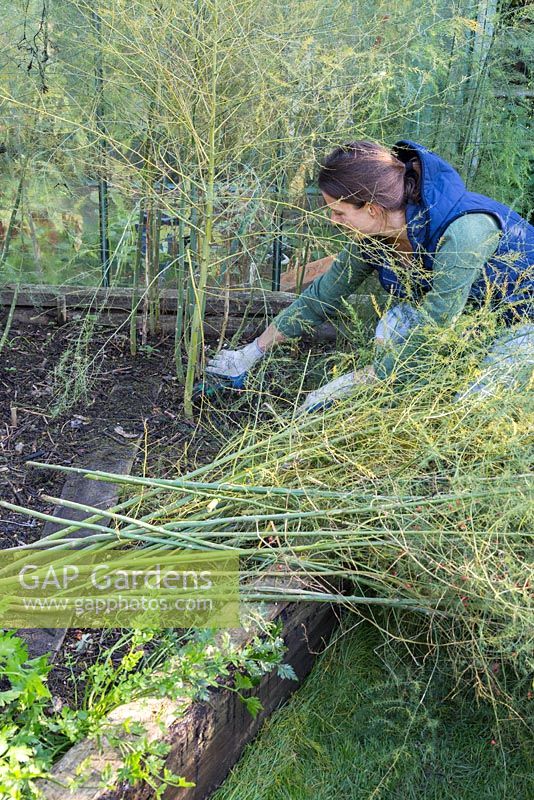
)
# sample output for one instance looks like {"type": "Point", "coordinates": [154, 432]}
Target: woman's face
{"type": "Point", "coordinates": [359, 220]}
{"type": "Point", "coordinates": [366, 221]}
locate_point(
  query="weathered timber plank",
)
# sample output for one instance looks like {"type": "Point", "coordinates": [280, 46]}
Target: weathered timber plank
{"type": "Point", "coordinates": [114, 458]}
{"type": "Point", "coordinates": [254, 325]}
{"type": "Point", "coordinates": [210, 741]}
{"type": "Point", "coordinates": [40, 304]}
{"type": "Point", "coordinates": [120, 299]}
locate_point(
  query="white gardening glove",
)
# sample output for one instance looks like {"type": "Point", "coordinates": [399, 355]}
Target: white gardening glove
{"type": "Point", "coordinates": [339, 387]}
{"type": "Point", "coordinates": [233, 366]}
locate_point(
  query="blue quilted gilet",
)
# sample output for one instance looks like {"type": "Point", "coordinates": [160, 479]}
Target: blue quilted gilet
{"type": "Point", "coordinates": [508, 276]}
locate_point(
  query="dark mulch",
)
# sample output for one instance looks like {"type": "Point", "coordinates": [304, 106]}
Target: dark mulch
{"type": "Point", "coordinates": [128, 395]}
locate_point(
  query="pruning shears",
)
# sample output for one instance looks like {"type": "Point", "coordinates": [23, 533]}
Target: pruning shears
{"type": "Point", "coordinates": [215, 387]}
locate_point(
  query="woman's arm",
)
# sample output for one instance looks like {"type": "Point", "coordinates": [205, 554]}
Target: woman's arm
{"type": "Point", "coordinates": [311, 308]}
{"type": "Point", "coordinates": [269, 338]}
{"type": "Point", "coordinates": [466, 245]}
{"type": "Point", "coordinates": [322, 298]}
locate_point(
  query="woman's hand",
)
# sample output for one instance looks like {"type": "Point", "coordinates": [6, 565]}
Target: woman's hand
{"type": "Point", "coordinates": [339, 387]}
{"type": "Point", "coordinates": [229, 368]}
{"type": "Point", "coordinates": [233, 366]}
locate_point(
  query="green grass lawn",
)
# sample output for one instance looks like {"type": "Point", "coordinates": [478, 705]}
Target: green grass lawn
{"type": "Point", "coordinates": [362, 728]}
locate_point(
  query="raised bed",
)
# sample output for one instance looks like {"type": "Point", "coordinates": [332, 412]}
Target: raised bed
{"type": "Point", "coordinates": [205, 738]}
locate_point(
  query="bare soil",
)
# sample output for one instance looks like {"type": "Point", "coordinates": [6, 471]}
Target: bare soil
{"type": "Point", "coordinates": [128, 396]}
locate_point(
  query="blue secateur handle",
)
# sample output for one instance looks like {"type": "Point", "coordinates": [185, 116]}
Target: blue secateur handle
{"type": "Point", "coordinates": [213, 386]}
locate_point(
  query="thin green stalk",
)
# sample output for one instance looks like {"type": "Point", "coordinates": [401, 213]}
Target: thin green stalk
{"type": "Point", "coordinates": [180, 525]}
{"type": "Point", "coordinates": [198, 317]}
{"type": "Point", "coordinates": [143, 525]}
{"type": "Point", "coordinates": [154, 282]}
{"type": "Point", "coordinates": [145, 179]}
{"type": "Point", "coordinates": [178, 483]}
{"type": "Point", "coordinates": [13, 216]}
{"type": "Point", "coordinates": [271, 594]}
{"type": "Point", "coordinates": [392, 501]}
{"type": "Point", "coordinates": [135, 280]}
{"type": "Point", "coordinates": [32, 512]}
{"type": "Point", "coordinates": [9, 320]}
{"type": "Point", "coordinates": [181, 289]}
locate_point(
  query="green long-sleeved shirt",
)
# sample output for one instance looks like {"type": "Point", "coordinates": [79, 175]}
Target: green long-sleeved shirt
{"type": "Point", "coordinates": [464, 248]}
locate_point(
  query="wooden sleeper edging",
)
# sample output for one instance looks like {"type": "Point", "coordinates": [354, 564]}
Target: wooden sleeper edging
{"type": "Point", "coordinates": [206, 738]}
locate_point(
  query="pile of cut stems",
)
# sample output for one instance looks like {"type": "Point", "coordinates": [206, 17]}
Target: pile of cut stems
{"type": "Point", "coordinates": [401, 497]}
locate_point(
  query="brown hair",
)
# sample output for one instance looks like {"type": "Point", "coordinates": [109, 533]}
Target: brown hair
{"type": "Point", "coordinates": [364, 172]}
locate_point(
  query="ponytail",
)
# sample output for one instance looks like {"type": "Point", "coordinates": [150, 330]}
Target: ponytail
{"type": "Point", "coordinates": [411, 183]}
